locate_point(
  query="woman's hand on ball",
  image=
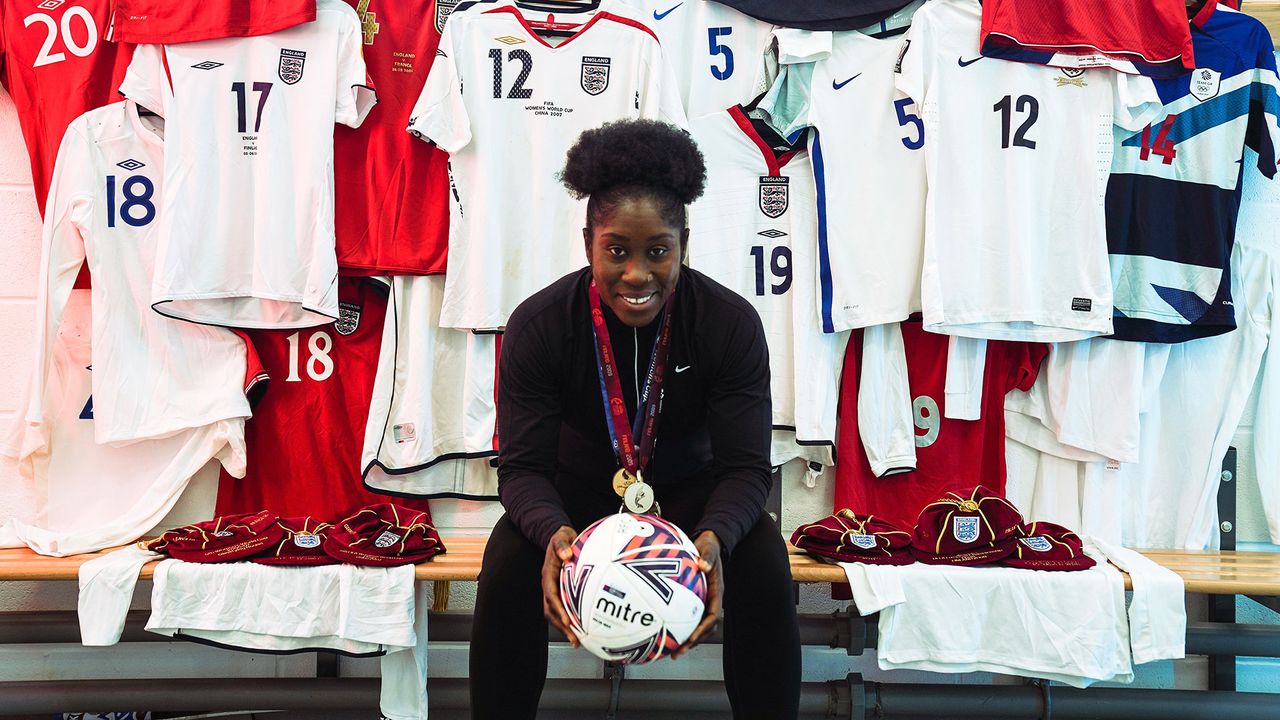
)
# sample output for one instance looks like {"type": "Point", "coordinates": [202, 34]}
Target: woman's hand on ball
{"type": "Point", "coordinates": [709, 562]}
{"type": "Point", "coordinates": [559, 552]}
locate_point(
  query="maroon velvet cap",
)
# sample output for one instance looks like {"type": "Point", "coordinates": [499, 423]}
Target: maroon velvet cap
{"type": "Point", "coordinates": [302, 544]}
{"type": "Point", "coordinates": [972, 528]}
{"type": "Point", "coordinates": [1046, 546]}
{"type": "Point", "coordinates": [384, 535]}
{"type": "Point", "coordinates": [849, 537]}
{"type": "Point", "coordinates": [222, 539]}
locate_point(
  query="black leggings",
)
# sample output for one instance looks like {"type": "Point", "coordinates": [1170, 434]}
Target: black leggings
{"type": "Point", "coordinates": [761, 637]}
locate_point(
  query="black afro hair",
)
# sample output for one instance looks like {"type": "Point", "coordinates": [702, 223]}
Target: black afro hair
{"type": "Point", "coordinates": [647, 153]}
{"type": "Point", "coordinates": [635, 158]}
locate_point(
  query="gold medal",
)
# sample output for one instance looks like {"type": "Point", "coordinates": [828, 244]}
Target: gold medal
{"type": "Point", "coordinates": [623, 480]}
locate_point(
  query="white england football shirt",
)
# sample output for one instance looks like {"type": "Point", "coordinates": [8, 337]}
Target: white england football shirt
{"type": "Point", "coordinates": [247, 235]}
{"type": "Point", "coordinates": [152, 376]}
{"type": "Point", "coordinates": [755, 231]}
{"type": "Point", "coordinates": [513, 228]}
{"type": "Point", "coordinates": [86, 496]}
{"type": "Point", "coordinates": [868, 162]}
{"type": "Point", "coordinates": [1017, 158]}
{"type": "Point", "coordinates": [433, 407]}
{"type": "Point", "coordinates": [713, 49]}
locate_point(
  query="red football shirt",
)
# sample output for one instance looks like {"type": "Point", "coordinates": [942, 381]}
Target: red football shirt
{"type": "Point", "coordinates": [950, 454]}
{"type": "Point", "coordinates": [56, 66]}
{"type": "Point", "coordinates": [1152, 38]}
{"type": "Point", "coordinates": [164, 22]}
{"type": "Point", "coordinates": [391, 189]}
{"type": "Point", "coordinates": [305, 436]}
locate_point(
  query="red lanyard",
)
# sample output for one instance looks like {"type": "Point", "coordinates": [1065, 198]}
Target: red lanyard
{"type": "Point", "coordinates": [622, 433]}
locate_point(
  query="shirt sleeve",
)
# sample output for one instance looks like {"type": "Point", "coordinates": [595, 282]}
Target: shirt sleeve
{"type": "Point", "coordinates": [1025, 366]}
{"type": "Point", "coordinates": [740, 422]}
{"type": "Point", "coordinates": [1136, 104]}
{"type": "Point", "coordinates": [440, 114]}
{"type": "Point", "coordinates": [660, 97]}
{"type": "Point", "coordinates": [61, 256]}
{"type": "Point", "coordinates": [146, 81]}
{"type": "Point", "coordinates": [529, 431]}
{"type": "Point", "coordinates": [355, 93]}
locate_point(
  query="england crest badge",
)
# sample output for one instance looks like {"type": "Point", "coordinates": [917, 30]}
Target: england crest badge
{"type": "Point", "coordinates": [964, 528]}
{"type": "Point", "coordinates": [1205, 83]}
{"type": "Point", "coordinates": [348, 318]}
{"type": "Point", "coordinates": [306, 540]}
{"type": "Point", "coordinates": [866, 542]}
{"type": "Point", "coordinates": [595, 74]}
{"type": "Point", "coordinates": [443, 9]}
{"type": "Point", "coordinates": [774, 192]}
{"type": "Point", "coordinates": [1039, 543]}
{"type": "Point", "coordinates": [292, 63]}
{"type": "Point", "coordinates": [386, 539]}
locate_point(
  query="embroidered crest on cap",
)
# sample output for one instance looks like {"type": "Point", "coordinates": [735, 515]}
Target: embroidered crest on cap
{"type": "Point", "coordinates": [866, 542]}
{"type": "Point", "coordinates": [1039, 543]}
{"type": "Point", "coordinates": [964, 528]}
{"type": "Point", "coordinates": [386, 539]}
{"type": "Point", "coordinates": [306, 540]}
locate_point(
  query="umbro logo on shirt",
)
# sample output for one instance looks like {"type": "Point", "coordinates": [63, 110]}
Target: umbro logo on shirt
{"type": "Point", "coordinates": [658, 16]}
{"type": "Point", "coordinates": [50, 4]}
{"type": "Point", "coordinates": [837, 85]}
{"type": "Point", "coordinates": [207, 65]}
{"type": "Point", "coordinates": [966, 63]}
{"type": "Point", "coordinates": [130, 164]}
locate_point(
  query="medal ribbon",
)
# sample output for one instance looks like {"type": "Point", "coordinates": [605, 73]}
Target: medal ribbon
{"type": "Point", "coordinates": [621, 433]}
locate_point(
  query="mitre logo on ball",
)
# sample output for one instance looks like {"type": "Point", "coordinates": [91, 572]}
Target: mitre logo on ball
{"type": "Point", "coordinates": [633, 590]}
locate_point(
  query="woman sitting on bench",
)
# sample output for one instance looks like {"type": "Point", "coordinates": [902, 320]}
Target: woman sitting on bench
{"type": "Point", "coordinates": [681, 344]}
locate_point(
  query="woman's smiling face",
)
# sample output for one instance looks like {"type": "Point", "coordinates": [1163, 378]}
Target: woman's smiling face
{"type": "Point", "coordinates": [635, 257]}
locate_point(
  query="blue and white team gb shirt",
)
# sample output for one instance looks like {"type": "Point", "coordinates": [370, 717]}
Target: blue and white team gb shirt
{"type": "Point", "coordinates": [1174, 191]}
{"type": "Point", "coordinates": [247, 232]}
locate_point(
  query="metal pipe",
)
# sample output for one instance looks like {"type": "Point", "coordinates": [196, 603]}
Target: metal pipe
{"type": "Point", "coordinates": [1206, 638]}
{"type": "Point", "coordinates": [63, 627]}
{"type": "Point", "coordinates": [839, 699]}
{"type": "Point", "coordinates": [196, 695]}
{"type": "Point", "coordinates": [837, 630]}
{"type": "Point", "coordinates": [886, 701]}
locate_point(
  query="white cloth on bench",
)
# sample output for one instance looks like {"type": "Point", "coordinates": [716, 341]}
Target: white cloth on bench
{"type": "Point", "coordinates": [244, 605]}
{"type": "Point", "coordinates": [1157, 609]}
{"type": "Point", "coordinates": [1064, 626]}
{"type": "Point", "coordinates": [106, 590]}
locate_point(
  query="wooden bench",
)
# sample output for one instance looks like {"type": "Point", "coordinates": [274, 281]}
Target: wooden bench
{"type": "Point", "coordinates": [1207, 572]}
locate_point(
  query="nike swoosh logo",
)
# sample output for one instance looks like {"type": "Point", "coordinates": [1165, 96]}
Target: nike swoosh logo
{"type": "Point", "coordinates": [658, 16]}
{"type": "Point", "coordinates": [967, 63]}
{"type": "Point", "coordinates": [682, 369]}
{"type": "Point", "coordinates": [836, 86]}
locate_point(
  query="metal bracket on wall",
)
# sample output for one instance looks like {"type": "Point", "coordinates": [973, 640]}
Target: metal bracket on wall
{"type": "Point", "coordinates": [1222, 608]}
